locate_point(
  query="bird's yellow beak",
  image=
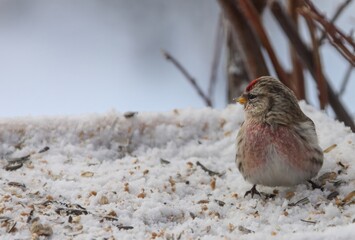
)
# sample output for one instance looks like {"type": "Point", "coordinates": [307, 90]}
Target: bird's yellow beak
{"type": "Point", "coordinates": [241, 100]}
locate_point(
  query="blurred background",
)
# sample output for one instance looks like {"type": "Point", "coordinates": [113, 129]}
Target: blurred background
{"type": "Point", "coordinates": [89, 56]}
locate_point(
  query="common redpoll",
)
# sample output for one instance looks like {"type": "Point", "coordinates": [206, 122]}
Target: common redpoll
{"type": "Point", "coordinates": [277, 144]}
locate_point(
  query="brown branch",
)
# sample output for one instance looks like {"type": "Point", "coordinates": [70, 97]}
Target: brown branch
{"type": "Point", "coordinates": [188, 77]}
{"type": "Point", "coordinates": [340, 9]}
{"type": "Point", "coordinates": [252, 15]}
{"type": "Point", "coordinates": [335, 36]}
{"type": "Point", "coordinates": [247, 43]}
{"type": "Point", "coordinates": [322, 88]}
{"type": "Point", "coordinates": [216, 56]}
{"type": "Point", "coordinates": [326, 24]}
{"type": "Point", "coordinates": [306, 56]}
{"type": "Point", "coordinates": [297, 78]}
{"type": "Point", "coordinates": [345, 80]}
{"type": "Point", "coordinates": [235, 67]}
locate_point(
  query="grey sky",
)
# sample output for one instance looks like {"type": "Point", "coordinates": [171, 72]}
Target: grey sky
{"type": "Point", "coordinates": [72, 57]}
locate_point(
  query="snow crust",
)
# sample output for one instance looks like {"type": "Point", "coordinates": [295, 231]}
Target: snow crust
{"type": "Point", "coordinates": [137, 177]}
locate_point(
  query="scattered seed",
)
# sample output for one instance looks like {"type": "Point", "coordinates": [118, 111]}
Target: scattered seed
{"type": "Point", "coordinates": [30, 215]}
{"type": "Point", "coordinates": [17, 184]}
{"type": "Point", "coordinates": [12, 227]}
{"type": "Point", "coordinates": [13, 166]}
{"type": "Point", "coordinates": [172, 183]}
{"type": "Point", "coordinates": [109, 218]}
{"type": "Point", "coordinates": [163, 161]}
{"type": "Point", "coordinates": [41, 229]}
{"type": "Point", "coordinates": [228, 133]}
{"type": "Point", "coordinates": [326, 177]}
{"type": "Point", "coordinates": [121, 227]}
{"type": "Point", "coordinates": [45, 149]}
{"type": "Point", "coordinates": [71, 211]}
{"type": "Point", "coordinates": [129, 114]}
{"type": "Point", "coordinates": [303, 201]}
{"type": "Point", "coordinates": [289, 195]}
{"type": "Point", "coordinates": [87, 174]}
{"type": "Point", "coordinates": [103, 200]}
{"type": "Point", "coordinates": [19, 159]}
{"type": "Point", "coordinates": [126, 187]}
{"type": "Point", "coordinates": [332, 195]}
{"type": "Point", "coordinates": [345, 166]}
{"type": "Point", "coordinates": [231, 227]}
{"type": "Point", "coordinates": [330, 148]}
{"type": "Point", "coordinates": [4, 218]}
{"type": "Point", "coordinates": [349, 198]}
{"type": "Point", "coordinates": [204, 201]}
{"type": "Point", "coordinates": [244, 229]}
{"type": "Point", "coordinates": [92, 193]}
{"type": "Point", "coordinates": [308, 221]}
{"type": "Point", "coordinates": [213, 183]}
{"type": "Point", "coordinates": [190, 164]}
{"type": "Point", "coordinates": [235, 195]}
{"type": "Point", "coordinates": [219, 202]}
{"type": "Point", "coordinates": [338, 183]}
{"type": "Point", "coordinates": [141, 195]}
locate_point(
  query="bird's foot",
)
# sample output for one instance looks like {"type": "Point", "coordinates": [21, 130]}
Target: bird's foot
{"type": "Point", "coordinates": [315, 185]}
{"type": "Point", "coordinates": [252, 191]}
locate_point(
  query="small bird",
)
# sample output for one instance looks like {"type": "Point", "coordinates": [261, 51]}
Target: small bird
{"type": "Point", "coordinates": [277, 143]}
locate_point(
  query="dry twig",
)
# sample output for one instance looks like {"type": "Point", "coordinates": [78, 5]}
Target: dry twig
{"type": "Point", "coordinates": [336, 37]}
{"type": "Point", "coordinates": [252, 15]}
{"type": "Point", "coordinates": [304, 54]}
{"type": "Point", "coordinates": [340, 9]}
{"type": "Point", "coordinates": [191, 80]}
{"type": "Point", "coordinates": [322, 87]}
{"type": "Point", "coordinates": [297, 78]}
{"type": "Point", "coordinates": [210, 172]}
{"type": "Point", "coordinates": [345, 80]}
{"type": "Point", "coordinates": [216, 56]}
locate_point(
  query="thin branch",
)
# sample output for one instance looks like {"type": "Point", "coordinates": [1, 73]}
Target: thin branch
{"type": "Point", "coordinates": [340, 9]}
{"type": "Point", "coordinates": [216, 56]}
{"type": "Point", "coordinates": [188, 77]}
{"type": "Point", "coordinates": [210, 172]}
{"type": "Point", "coordinates": [297, 77]}
{"type": "Point", "coordinates": [322, 88]}
{"type": "Point", "coordinates": [345, 80]}
{"type": "Point", "coordinates": [335, 36]}
{"type": "Point", "coordinates": [235, 66]}
{"type": "Point", "coordinates": [306, 56]}
{"type": "Point", "coordinates": [252, 15]}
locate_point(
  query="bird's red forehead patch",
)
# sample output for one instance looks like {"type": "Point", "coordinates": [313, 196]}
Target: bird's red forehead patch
{"type": "Point", "coordinates": [251, 84]}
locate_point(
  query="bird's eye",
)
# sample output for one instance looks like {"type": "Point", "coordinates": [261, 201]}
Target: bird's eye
{"type": "Point", "coordinates": [251, 96]}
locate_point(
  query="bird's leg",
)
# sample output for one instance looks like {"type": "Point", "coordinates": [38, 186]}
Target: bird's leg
{"type": "Point", "coordinates": [252, 191]}
{"type": "Point", "coordinates": [315, 185]}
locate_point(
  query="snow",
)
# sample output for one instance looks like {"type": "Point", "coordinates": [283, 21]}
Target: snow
{"type": "Point", "coordinates": [113, 176]}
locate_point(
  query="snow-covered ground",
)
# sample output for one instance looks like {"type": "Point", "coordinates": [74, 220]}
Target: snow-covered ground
{"type": "Point", "coordinates": [142, 176]}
